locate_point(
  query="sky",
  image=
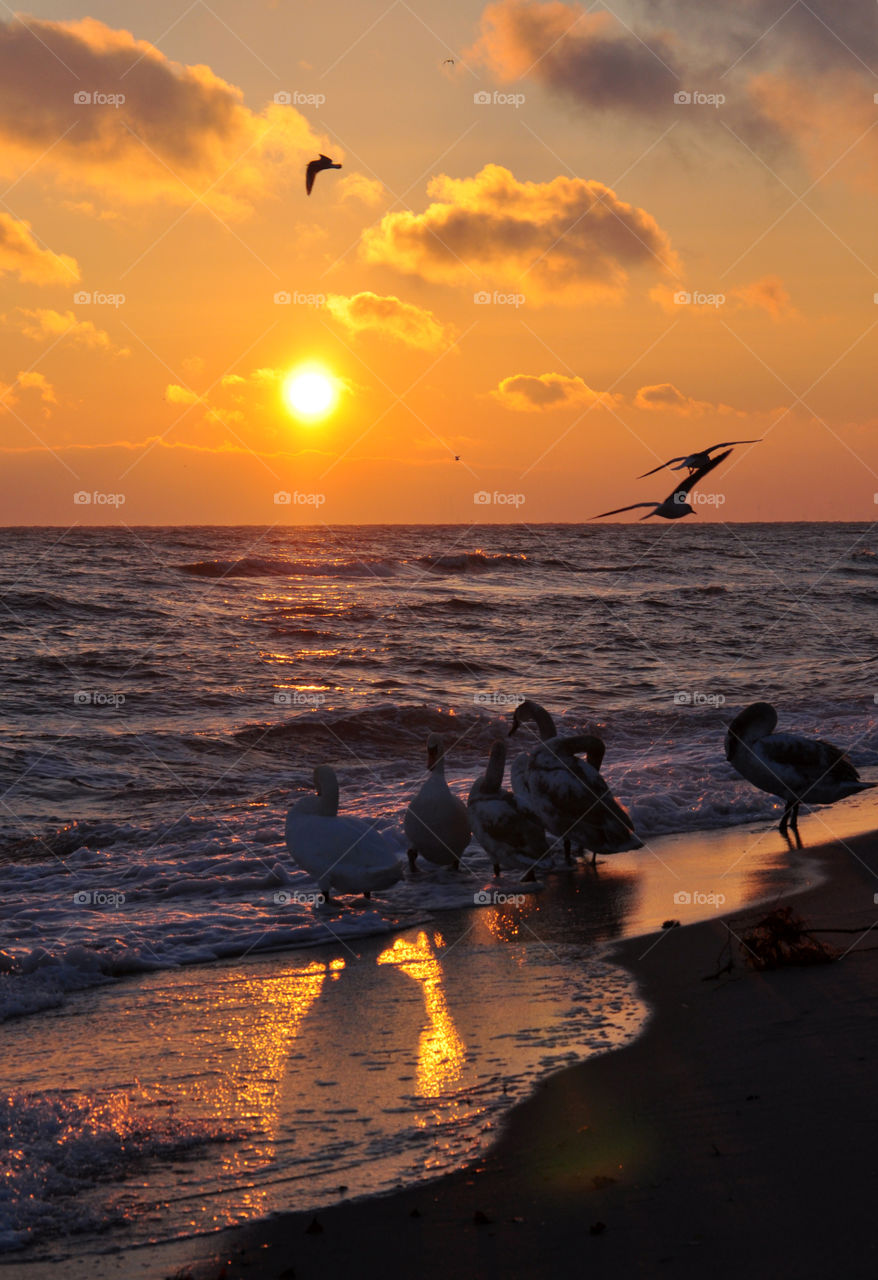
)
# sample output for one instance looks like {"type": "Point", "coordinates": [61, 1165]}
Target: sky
{"type": "Point", "coordinates": [565, 245]}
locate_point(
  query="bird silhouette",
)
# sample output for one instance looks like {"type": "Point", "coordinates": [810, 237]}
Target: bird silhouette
{"type": "Point", "coordinates": [694, 460]}
{"type": "Point", "coordinates": [314, 168]}
{"type": "Point", "coordinates": [676, 504]}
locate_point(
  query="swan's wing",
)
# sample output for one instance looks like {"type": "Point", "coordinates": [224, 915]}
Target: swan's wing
{"type": "Point", "coordinates": [619, 510]}
{"type": "Point", "coordinates": [810, 760]}
{"type": "Point", "coordinates": [498, 820]}
{"type": "Point", "coordinates": [669, 462]}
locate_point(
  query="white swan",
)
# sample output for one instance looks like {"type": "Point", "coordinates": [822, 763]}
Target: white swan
{"type": "Point", "coordinates": [436, 822]}
{"type": "Point", "coordinates": [569, 795]}
{"type": "Point", "coordinates": [511, 837]}
{"type": "Point", "coordinates": [528, 710]}
{"type": "Point", "coordinates": [347, 854]}
{"type": "Point", "coordinates": [797, 769]}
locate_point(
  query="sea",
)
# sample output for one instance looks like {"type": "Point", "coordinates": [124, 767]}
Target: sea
{"type": "Point", "coordinates": [188, 1039]}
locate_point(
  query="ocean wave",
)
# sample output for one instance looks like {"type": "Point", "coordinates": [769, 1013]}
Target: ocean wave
{"type": "Point", "coordinates": [263, 567]}
{"type": "Point", "coordinates": [472, 562]}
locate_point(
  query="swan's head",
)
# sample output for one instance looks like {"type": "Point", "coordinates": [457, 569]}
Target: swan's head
{"type": "Point", "coordinates": [755, 721]}
{"type": "Point", "coordinates": [528, 710]}
{"type": "Point", "coordinates": [435, 750]}
{"type": "Point", "coordinates": [325, 780]}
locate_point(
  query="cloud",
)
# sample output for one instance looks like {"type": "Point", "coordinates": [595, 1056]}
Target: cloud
{"type": "Point", "coordinates": [545, 391]}
{"type": "Point", "coordinates": [28, 380]}
{"type": "Point", "coordinates": [568, 240]}
{"type": "Point", "coordinates": [590, 58]}
{"type": "Point", "coordinates": [177, 130]}
{"type": "Point", "coordinates": [391, 318]}
{"type": "Point", "coordinates": [356, 186]}
{"type": "Point", "coordinates": [768, 294]}
{"type": "Point", "coordinates": [664, 395]}
{"type": "Point", "coordinates": [175, 394]}
{"type": "Point", "coordinates": [45, 323]}
{"type": "Point", "coordinates": [21, 255]}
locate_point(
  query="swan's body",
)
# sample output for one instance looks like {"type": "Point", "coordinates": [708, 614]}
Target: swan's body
{"type": "Point", "coordinates": [797, 769]}
{"type": "Point", "coordinates": [436, 822]}
{"type": "Point", "coordinates": [511, 836]}
{"type": "Point", "coordinates": [346, 854]}
{"type": "Point", "coordinates": [568, 795]}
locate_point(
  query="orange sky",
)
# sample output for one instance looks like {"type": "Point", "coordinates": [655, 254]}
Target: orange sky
{"type": "Point", "coordinates": [592, 242]}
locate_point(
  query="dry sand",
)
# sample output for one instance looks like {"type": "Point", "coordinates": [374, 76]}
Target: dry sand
{"type": "Point", "coordinates": [738, 1136]}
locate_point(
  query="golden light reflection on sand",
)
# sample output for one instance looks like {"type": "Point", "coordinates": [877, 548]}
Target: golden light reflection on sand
{"type": "Point", "coordinates": [441, 1051]}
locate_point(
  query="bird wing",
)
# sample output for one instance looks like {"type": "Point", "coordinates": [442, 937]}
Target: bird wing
{"type": "Point", "coordinates": [685, 486]}
{"type": "Point", "coordinates": [663, 465]}
{"type": "Point", "coordinates": [618, 510]}
{"type": "Point", "coordinates": [724, 444]}
{"type": "Point", "coordinates": [310, 174]}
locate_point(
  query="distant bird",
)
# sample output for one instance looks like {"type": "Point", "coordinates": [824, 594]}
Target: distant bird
{"type": "Point", "coordinates": [797, 769]}
{"type": "Point", "coordinates": [569, 795]}
{"type": "Point", "coordinates": [510, 836]}
{"type": "Point", "coordinates": [436, 822]}
{"type": "Point", "coordinates": [315, 167]}
{"type": "Point", "coordinates": [348, 854]}
{"type": "Point", "coordinates": [695, 460]}
{"type": "Point", "coordinates": [675, 504]}
{"type": "Point", "coordinates": [446, 61]}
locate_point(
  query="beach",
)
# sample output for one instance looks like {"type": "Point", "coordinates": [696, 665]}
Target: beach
{"type": "Point", "coordinates": [735, 1136]}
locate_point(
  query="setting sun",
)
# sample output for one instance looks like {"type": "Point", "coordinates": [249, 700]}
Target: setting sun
{"type": "Point", "coordinates": [310, 393]}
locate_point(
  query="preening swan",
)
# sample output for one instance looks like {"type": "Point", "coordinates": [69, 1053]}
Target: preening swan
{"type": "Point", "coordinates": [346, 854]}
{"type": "Point", "coordinates": [797, 769]}
{"type": "Point", "coordinates": [511, 837]}
{"type": "Point", "coordinates": [436, 822]}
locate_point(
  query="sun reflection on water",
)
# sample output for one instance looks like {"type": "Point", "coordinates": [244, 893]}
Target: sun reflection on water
{"type": "Point", "coordinates": [441, 1051]}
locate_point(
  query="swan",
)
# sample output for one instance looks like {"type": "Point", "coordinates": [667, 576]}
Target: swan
{"type": "Point", "coordinates": [569, 795]}
{"type": "Point", "coordinates": [436, 822]}
{"type": "Point", "coordinates": [528, 710]}
{"type": "Point", "coordinates": [347, 854]}
{"type": "Point", "coordinates": [788, 765]}
{"type": "Point", "coordinates": [511, 837]}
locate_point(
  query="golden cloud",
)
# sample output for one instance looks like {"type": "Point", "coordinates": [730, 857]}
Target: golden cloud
{"type": "Point", "coordinates": [568, 240]}
{"type": "Point", "coordinates": [28, 380]}
{"type": "Point", "coordinates": [356, 186]}
{"type": "Point", "coordinates": [391, 318]}
{"type": "Point", "coordinates": [105, 110]}
{"type": "Point", "coordinates": [545, 391]}
{"type": "Point", "coordinates": [45, 323]}
{"type": "Point", "coordinates": [21, 255]}
{"type": "Point", "coordinates": [768, 294]}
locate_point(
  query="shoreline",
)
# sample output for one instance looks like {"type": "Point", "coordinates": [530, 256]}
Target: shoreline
{"type": "Point", "coordinates": [738, 1127]}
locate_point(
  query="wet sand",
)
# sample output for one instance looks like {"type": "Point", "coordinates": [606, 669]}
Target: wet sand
{"type": "Point", "coordinates": [736, 1136]}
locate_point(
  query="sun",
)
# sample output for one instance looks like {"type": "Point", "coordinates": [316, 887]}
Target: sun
{"type": "Point", "coordinates": [310, 393]}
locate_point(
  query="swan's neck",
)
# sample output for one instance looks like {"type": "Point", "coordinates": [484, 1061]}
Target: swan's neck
{"type": "Point", "coordinates": [327, 797]}
{"type": "Point", "coordinates": [496, 765]}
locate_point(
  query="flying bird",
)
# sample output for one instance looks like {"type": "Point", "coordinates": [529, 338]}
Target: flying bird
{"type": "Point", "coordinates": [676, 503]}
{"type": "Point", "coordinates": [798, 769]}
{"type": "Point", "coordinates": [314, 168]}
{"type": "Point", "coordinates": [695, 460]}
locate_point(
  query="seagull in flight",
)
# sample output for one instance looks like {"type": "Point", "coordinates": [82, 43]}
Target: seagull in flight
{"type": "Point", "coordinates": [314, 168]}
{"type": "Point", "coordinates": [675, 504]}
{"type": "Point", "coordinates": [695, 460]}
